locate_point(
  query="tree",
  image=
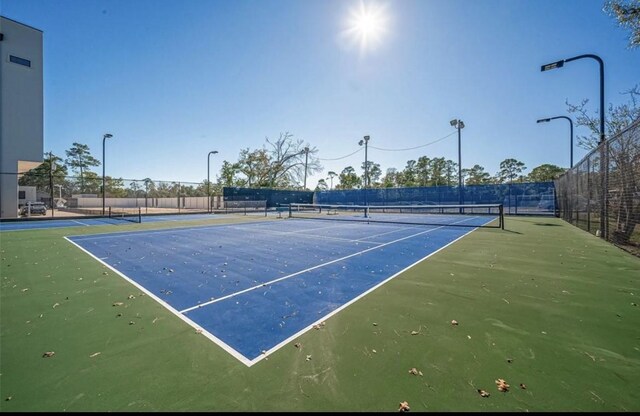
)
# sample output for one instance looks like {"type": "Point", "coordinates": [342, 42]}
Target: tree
{"type": "Point", "coordinates": [80, 160]}
{"type": "Point", "coordinates": [282, 165]}
{"type": "Point", "coordinates": [545, 173]}
{"type": "Point", "coordinates": [619, 118]}
{"type": "Point", "coordinates": [438, 166]}
{"type": "Point", "coordinates": [450, 169]}
{"type": "Point", "coordinates": [390, 179]}
{"type": "Point", "coordinates": [348, 178]}
{"type": "Point", "coordinates": [114, 187]}
{"type": "Point", "coordinates": [374, 171]}
{"type": "Point", "coordinates": [254, 164]}
{"type": "Point", "coordinates": [322, 186]}
{"type": "Point", "coordinates": [149, 186]}
{"type": "Point", "coordinates": [289, 158]}
{"type": "Point", "coordinates": [509, 170]}
{"type": "Point", "coordinates": [228, 175]}
{"type": "Point", "coordinates": [423, 170]}
{"type": "Point", "coordinates": [476, 176]}
{"type": "Point", "coordinates": [627, 13]}
{"type": "Point", "coordinates": [409, 174]}
{"type": "Point", "coordinates": [41, 175]}
{"type": "Point", "coordinates": [332, 175]}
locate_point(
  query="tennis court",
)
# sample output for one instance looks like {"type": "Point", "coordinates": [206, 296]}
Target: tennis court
{"type": "Point", "coordinates": [541, 304]}
{"type": "Point", "coordinates": [88, 222]}
{"type": "Point", "coordinates": [252, 288]}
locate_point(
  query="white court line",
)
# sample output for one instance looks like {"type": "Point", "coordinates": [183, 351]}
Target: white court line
{"type": "Point", "coordinates": [335, 311]}
{"type": "Point", "coordinates": [326, 237]}
{"type": "Point", "coordinates": [164, 230]}
{"type": "Point", "coordinates": [81, 223]}
{"type": "Point", "coordinates": [228, 348]}
{"type": "Point", "coordinates": [212, 337]}
{"type": "Point", "coordinates": [310, 268]}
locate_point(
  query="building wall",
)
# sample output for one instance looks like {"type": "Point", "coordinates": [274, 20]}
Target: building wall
{"type": "Point", "coordinates": [21, 108]}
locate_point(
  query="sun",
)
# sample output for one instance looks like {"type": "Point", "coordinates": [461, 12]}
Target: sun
{"type": "Point", "coordinates": [367, 25]}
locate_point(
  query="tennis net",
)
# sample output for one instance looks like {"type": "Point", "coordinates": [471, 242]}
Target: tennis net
{"type": "Point", "coordinates": [478, 215]}
{"type": "Point", "coordinates": [126, 214]}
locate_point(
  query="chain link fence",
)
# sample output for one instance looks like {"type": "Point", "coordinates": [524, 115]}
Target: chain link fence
{"type": "Point", "coordinates": [601, 193]}
{"type": "Point", "coordinates": [78, 196]}
{"type": "Point", "coordinates": [533, 198]}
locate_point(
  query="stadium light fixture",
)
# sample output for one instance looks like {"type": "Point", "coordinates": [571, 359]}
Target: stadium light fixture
{"type": "Point", "coordinates": [213, 152]}
{"type": "Point", "coordinates": [546, 120]}
{"type": "Point", "coordinates": [306, 159]}
{"type": "Point", "coordinates": [561, 63]}
{"type": "Point", "coordinates": [365, 141]}
{"type": "Point", "coordinates": [459, 124]}
{"type": "Point", "coordinates": [104, 190]}
{"type": "Point", "coordinates": [604, 173]}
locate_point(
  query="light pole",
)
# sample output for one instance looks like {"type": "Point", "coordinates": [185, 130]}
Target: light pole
{"type": "Point", "coordinates": [546, 120]}
{"type": "Point", "coordinates": [104, 138]}
{"type": "Point", "coordinates": [213, 152]}
{"type": "Point", "coordinates": [459, 124]}
{"type": "Point", "coordinates": [365, 141]}
{"type": "Point", "coordinates": [604, 180]}
{"type": "Point", "coordinates": [51, 168]}
{"type": "Point", "coordinates": [306, 159]}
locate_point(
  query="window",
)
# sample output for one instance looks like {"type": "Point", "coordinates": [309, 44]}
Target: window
{"type": "Point", "coordinates": [22, 195]}
{"type": "Point", "coordinates": [20, 61]}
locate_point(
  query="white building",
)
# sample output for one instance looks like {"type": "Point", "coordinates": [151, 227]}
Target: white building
{"type": "Point", "coordinates": [21, 108]}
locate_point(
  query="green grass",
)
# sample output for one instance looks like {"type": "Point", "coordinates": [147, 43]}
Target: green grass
{"type": "Point", "coordinates": [541, 303]}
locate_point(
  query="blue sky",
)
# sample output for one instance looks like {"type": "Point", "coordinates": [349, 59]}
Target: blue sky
{"type": "Point", "coordinates": [172, 80]}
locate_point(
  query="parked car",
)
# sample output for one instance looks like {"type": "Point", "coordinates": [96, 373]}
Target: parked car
{"type": "Point", "coordinates": [35, 208]}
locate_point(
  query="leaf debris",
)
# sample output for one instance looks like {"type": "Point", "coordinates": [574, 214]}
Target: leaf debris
{"type": "Point", "coordinates": [502, 385]}
{"type": "Point", "coordinates": [484, 393]}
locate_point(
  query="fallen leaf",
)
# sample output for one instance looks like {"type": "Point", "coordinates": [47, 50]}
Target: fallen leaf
{"type": "Point", "coordinates": [414, 332]}
{"type": "Point", "coordinates": [48, 354]}
{"type": "Point", "coordinates": [118, 303]}
{"type": "Point", "coordinates": [454, 322]}
{"type": "Point", "coordinates": [522, 386]}
{"type": "Point", "coordinates": [374, 351]}
{"type": "Point", "coordinates": [404, 407]}
{"type": "Point", "coordinates": [95, 354]}
{"type": "Point", "coordinates": [198, 331]}
{"type": "Point", "coordinates": [415, 372]}
{"type": "Point", "coordinates": [502, 385]}
{"type": "Point", "coordinates": [55, 305]}
{"type": "Point", "coordinates": [483, 393]}
{"type": "Point", "coordinates": [8, 398]}
{"type": "Point", "coordinates": [375, 324]}
{"type": "Point", "coordinates": [131, 297]}
{"type": "Point", "coordinates": [297, 345]}
{"type": "Point", "coordinates": [308, 358]}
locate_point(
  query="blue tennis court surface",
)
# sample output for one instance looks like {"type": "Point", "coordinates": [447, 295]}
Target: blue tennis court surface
{"type": "Point", "coordinates": [252, 288]}
{"type": "Point", "coordinates": [86, 222]}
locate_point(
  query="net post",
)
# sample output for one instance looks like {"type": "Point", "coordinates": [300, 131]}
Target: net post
{"type": "Point", "coordinates": [501, 209]}
{"type": "Point", "coordinates": [265, 209]}
{"type": "Point", "coordinates": [140, 215]}
{"type": "Point", "coordinates": [109, 212]}
{"type": "Point", "coordinates": [290, 211]}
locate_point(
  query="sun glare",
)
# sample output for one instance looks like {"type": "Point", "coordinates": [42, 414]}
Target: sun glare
{"type": "Point", "coordinates": [366, 26]}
